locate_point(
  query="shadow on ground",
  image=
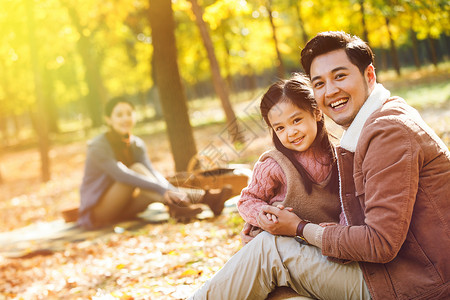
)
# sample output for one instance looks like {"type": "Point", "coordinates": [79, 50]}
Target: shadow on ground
{"type": "Point", "coordinates": [45, 238]}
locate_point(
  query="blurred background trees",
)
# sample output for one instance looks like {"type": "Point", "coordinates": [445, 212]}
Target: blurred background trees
{"type": "Point", "coordinates": [167, 78]}
{"type": "Point", "coordinates": [84, 52]}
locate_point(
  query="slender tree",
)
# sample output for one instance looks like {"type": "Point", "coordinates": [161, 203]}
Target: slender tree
{"type": "Point", "coordinates": [301, 22]}
{"type": "Point", "coordinates": [393, 47]}
{"type": "Point", "coordinates": [220, 86]}
{"type": "Point", "coordinates": [415, 48]}
{"type": "Point", "coordinates": [50, 104]}
{"type": "Point", "coordinates": [363, 22]}
{"type": "Point", "coordinates": [224, 28]}
{"type": "Point", "coordinates": [40, 116]}
{"type": "Point", "coordinates": [7, 94]}
{"type": "Point", "coordinates": [432, 52]}
{"type": "Point", "coordinates": [170, 88]}
{"type": "Point", "coordinates": [96, 92]}
{"type": "Point", "coordinates": [280, 66]}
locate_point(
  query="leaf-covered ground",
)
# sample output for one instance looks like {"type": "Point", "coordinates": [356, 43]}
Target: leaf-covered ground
{"type": "Point", "coordinates": [159, 261]}
{"type": "Point", "coordinates": [166, 261]}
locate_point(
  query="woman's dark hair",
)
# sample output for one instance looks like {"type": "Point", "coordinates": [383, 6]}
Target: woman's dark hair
{"type": "Point", "coordinates": [358, 52]}
{"type": "Point", "coordinates": [109, 106]}
{"type": "Point", "coordinates": [298, 91]}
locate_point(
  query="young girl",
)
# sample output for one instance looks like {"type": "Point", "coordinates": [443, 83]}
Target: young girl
{"type": "Point", "coordinates": [301, 172]}
{"type": "Point", "coordinates": [119, 180]}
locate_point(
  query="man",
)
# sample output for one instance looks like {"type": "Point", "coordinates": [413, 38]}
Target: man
{"type": "Point", "coordinates": [394, 235]}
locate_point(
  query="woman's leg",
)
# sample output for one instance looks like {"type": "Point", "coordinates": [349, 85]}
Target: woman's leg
{"type": "Point", "coordinates": [123, 201]}
{"type": "Point", "coordinates": [141, 199]}
{"type": "Point", "coordinates": [112, 204]}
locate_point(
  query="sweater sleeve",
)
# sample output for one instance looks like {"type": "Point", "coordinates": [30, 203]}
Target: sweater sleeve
{"type": "Point", "coordinates": [102, 156]}
{"type": "Point", "coordinates": [389, 187]}
{"type": "Point", "coordinates": [266, 187]}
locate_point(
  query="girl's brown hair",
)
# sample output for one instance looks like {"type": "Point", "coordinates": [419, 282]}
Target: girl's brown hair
{"type": "Point", "coordinates": [298, 91]}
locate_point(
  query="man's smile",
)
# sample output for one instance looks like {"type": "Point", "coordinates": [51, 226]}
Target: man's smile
{"type": "Point", "coordinates": [339, 103]}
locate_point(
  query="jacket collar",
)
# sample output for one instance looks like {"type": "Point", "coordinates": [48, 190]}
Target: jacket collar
{"type": "Point", "coordinates": [375, 100]}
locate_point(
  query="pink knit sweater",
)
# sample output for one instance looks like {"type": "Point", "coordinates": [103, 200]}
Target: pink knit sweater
{"type": "Point", "coordinates": [268, 183]}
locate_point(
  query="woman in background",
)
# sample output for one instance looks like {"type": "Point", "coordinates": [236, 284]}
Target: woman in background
{"type": "Point", "coordinates": [119, 180]}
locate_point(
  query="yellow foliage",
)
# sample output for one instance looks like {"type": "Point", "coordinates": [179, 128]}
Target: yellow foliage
{"type": "Point", "coordinates": [190, 272]}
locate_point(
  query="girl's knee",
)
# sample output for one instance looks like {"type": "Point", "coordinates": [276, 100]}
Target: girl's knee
{"type": "Point", "coordinates": [264, 239]}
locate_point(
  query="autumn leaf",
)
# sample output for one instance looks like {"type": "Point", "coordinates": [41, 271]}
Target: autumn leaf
{"type": "Point", "coordinates": [190, 272]}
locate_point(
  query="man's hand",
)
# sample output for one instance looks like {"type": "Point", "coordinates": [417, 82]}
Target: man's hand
{"type": "Point", "coordinates": [327, 224]}
{"type": "Point", "coordinates": [286, 221]}
{"type": "Point", "coordinates": [245, 237]}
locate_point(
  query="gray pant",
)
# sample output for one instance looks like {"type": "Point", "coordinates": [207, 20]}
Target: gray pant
{"type": "Point", "coordinates": [269, 261]}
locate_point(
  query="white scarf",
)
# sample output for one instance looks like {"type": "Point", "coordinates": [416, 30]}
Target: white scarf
{"type": "Point", "coordinates": [376, 99]}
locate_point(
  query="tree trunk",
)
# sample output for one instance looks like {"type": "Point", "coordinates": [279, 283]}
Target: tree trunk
{"type": "Point", "coordinates": [41, 124]}
{"type": "Point", "coordinates": [219, 83]}
{"type": "Point", "coordinates": [363, 22]}
{"type": "Point", "coordinates": [168, 80]}
{"type": "Point", "coordinates": [447, 45]}
{"type": "Point", "coordinates": [154, 93]}
{"type": "Point", "coordinates": [250, 76]}
{"type": "Point", "coordinates": [298, 5]}
{"type": "Point", "coordinates": [229, 76]}
{"type": "Point", "coordinates": [16, 127]}
{"type": "Point", "coordinates": [415, 48]}
{"type": "Point", "coordinates": [433, 55]}
{"type": "Point", "coordinates": [4, 131]}
{"type": "Point", "coordinates": [393, 48]}
{"type": "Point", "coordinates": [96, 96]}
{"type": "Point", "coordinates": [280, 65]}
{"type": "Point", "coordinates": [365, 31]}
{"type": "Point", "coordinates": [251, 84]}
{"type": "Point", "coordinates": [4, 112]}
{"type": "Point", "coordinates": [50, 104]}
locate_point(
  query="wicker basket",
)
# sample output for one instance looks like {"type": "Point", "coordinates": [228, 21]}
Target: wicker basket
{"type": "Point", "coordinates": [215, 178]}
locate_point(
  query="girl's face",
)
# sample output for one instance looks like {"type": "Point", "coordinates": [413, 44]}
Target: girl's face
{"type": "Point", "coordinates": [122, 119]}
{"type": "Point", "coordinates": [296, 128]}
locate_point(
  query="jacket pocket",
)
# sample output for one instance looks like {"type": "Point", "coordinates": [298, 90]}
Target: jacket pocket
{"type": "Point", "coordinates": [412, 272]}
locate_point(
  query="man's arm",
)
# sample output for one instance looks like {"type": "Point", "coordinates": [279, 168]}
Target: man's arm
{"type": "Point", "coordinates": [388, 180]}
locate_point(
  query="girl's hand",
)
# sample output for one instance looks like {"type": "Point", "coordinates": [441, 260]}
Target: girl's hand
{"type": "Point", "coordinates": [272, 218]}
{"type": "Point", "coordinates": [286, 224]}
{"type": "Point", "coordinates": [245, 234]}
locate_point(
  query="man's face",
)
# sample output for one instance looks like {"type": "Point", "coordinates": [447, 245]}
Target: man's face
{"type": "Point", "coordinates": [339, 87]}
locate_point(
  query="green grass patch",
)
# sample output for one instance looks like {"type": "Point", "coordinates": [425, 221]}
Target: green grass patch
{"type": "Point", "coordinates": [424, 88]}
{"type": "Point", "coordinates": [425, 95]}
